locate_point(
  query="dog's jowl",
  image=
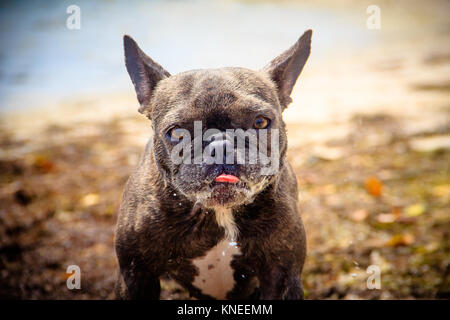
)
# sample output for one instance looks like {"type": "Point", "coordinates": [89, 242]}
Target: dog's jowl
{"type": "Point", "coordinates": [213, 201]}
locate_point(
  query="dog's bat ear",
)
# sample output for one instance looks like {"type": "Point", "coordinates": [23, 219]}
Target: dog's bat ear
{"type": "Point", "coordinates": [285, 69]}
{"type": "Point", "coordinates": [144, 72]}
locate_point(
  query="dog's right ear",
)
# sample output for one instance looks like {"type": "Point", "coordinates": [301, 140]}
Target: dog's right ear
{"type": "Point", "coordinates": [285, 69]}
{"type": "Point", "coordinates": [144, 73]}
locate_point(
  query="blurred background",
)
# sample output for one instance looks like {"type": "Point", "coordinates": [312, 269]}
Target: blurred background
{"type": "Point", "coordinates": [369, 134]}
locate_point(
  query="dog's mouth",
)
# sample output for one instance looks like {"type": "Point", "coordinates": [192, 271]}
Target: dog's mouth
{"type": "Point", "coordinates": [227, 189]}
{"type": "Point", "coordinates": [227, 178]}
{"type": "Point", "coordinates": [227, 182]}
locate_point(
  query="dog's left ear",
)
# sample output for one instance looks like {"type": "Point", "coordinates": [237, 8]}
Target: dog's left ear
{"type": "Point", "coordinates": [144, 72]}
{"type": "Point", "coordinates": [285, 69]}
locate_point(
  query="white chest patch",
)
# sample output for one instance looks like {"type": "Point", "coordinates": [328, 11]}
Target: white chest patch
{"type": "Point", "coordinates": [215, 276]}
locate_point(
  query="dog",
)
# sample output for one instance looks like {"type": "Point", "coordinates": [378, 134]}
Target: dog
{"type": "Point", "coordinates": [221, 230]}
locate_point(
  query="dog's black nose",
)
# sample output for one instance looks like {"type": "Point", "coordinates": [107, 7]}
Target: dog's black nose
{"type": "Point", "coordinates": [222, 154]}
{"type": "Point", "coordinates": [220, 150]}
{"type": "Point", "coordinates": [231, 169]}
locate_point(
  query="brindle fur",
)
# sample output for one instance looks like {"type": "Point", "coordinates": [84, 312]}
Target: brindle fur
{"type": "Point", "coordinates": [160, 231]}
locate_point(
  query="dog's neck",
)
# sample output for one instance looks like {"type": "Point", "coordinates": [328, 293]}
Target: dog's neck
{"type": "Point", "coordinates": [225, 219]}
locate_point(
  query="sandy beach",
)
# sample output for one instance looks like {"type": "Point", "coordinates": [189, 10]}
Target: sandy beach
{"type": "Point", "coordinates": [369, 140]}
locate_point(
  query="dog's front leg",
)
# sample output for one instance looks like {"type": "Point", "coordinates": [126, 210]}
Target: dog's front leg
{"type": "Point", "coordinates": [137, 284]}
{"type": "Point", "coordinates": [280, 284]}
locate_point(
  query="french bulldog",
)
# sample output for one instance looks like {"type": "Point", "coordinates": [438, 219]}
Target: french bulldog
{"type": "Point", "coordinates": [222, 229]}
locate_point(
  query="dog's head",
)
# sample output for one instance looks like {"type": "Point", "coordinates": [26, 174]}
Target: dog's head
{"type": "Point", "coordinates": [219, 136]}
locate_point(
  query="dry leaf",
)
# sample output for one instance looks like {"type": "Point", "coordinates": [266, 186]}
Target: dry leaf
{"type": "Point", "coordinates": [43, 164]}
{"type": "Point", "coordinates": [66, 275]}
{"type": "Point", "coordinates": [442, 190]}
{"type": "Point", "coordinates": [374, 186]}
{"type": "Point", "coordinates": [401, 240]}
{"type": "Point", "coordinates": [90, 199]}
{"type": "Point", "coordinates": [359, 215]}
{"type": "Point", "coordinates": [397, 212]}
{"type": "Point", "coordinates": [386, 218]}
{"type": "Point", "coordinates": [415, 210]}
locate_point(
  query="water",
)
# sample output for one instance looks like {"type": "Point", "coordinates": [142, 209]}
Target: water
{"type": "Point", "coordinates": [42, 61]}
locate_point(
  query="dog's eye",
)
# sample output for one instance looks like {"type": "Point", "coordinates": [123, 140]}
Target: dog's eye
{"type": "Point", "coordinates": [261, 122]}
{"type": "Point", "coordinates": [175, 134]}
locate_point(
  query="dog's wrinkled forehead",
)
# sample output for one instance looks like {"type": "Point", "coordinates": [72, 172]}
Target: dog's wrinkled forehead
{"type": "Point", "coordinates": [212, 91]}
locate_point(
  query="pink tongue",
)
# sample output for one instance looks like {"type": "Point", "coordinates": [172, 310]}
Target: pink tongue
{"type": "Point", "coordinates": [227, 178]}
